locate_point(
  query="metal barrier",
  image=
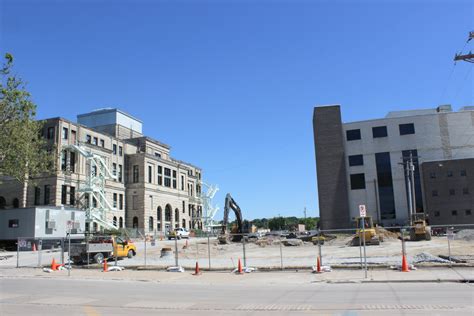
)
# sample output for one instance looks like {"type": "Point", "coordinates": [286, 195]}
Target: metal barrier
{"type": "Point", "coordinates": [274, 251]}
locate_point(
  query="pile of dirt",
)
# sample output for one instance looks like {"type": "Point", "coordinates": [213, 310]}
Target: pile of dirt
{"type": "Point", "coordinates": [386, 234]}
{"type": "Point", "coordinates": [292, 242]}
{"type": "Point", "coordinates": [263, 242]}
{"type": "Point", "coordinates": [465, 234]}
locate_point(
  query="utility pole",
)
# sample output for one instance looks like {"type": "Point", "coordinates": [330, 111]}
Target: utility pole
{"type": "Point", "coordinates": [305, 212]}
{"type": "Point", "coordinates": [408, 180]}
{"type": "Point", "coordinates": [413, 195]}
{"type": "Point", "coordinates": [466, 57]}
{"type": "Point", "coordinates": [409, 167]}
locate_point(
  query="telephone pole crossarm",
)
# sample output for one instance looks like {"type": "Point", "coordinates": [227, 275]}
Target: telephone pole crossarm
{"type": "Point", "coordinates": [468, 57]}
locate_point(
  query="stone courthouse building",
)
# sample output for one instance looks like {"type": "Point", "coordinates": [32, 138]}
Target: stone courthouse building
{"type": "Point", "coordinates": [152, 191]}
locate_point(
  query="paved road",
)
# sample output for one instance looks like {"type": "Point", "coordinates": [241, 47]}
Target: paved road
{"type": "Point", "coordinates": [30, 296]}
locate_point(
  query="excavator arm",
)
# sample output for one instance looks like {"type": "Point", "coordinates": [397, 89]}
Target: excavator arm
{"type": "Point", "coordinates": [230, 204]}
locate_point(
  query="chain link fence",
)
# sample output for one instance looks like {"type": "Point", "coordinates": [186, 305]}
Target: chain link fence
{"type": "Point", "coordinates": [449, 245]}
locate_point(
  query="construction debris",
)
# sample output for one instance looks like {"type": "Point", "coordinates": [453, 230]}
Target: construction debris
{"type": "Point", "coordinates": [245, 270]}
{"type": "Point", "coordinates": [175, 269]}
{"type": "Point", "coordinates": [426, 257]}
{"type": "Point", "coordinates": [386, 234]}
{"type": "Point", "coordinates": [399, 267]}
{"type": "Point", "coordinates": [323, 269]}
{"type": "Point", "coordinates": [115, 268]}
{"type": "Point", "coordinates": [465, 234]}
{"type": "Point", "coordinates": [292, 242]}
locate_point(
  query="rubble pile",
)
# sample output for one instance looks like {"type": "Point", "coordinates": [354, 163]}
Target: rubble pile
{"type": "Point", "coordinates": [426, 257]}
{"type": "Point", "coordinates": [465, 234]}
{"type": "Point", "coordinates": [386, 234]}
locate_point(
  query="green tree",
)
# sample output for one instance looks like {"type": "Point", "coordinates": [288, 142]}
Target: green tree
{"type": "Point", "coordinates": [309, 222]}
{"type": "Point", "coordinates": [277, 223]}
{"type": "Point", "coordinates": [23, 152]}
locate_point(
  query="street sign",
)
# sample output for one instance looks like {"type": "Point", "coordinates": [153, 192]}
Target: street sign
{"type": "Point", "coordinates": [22, 243]}
{"type": "Point", "coordinates": [450, 234]}
{"type": "Point", "coordinates": [362, 210]}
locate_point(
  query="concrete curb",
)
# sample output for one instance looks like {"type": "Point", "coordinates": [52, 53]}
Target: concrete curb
{"type": "Point", "coordinates": [62, 277]}
{"type": "Point", "coordinates": [287, 268]}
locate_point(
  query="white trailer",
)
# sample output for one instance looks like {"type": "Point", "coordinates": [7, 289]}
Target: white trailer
{"type": "Point", "coordinates": [40, 222]}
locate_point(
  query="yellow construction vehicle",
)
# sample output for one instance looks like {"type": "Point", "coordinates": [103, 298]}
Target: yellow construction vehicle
{"type": "Point", "coordinates": [371, 236]}
{"type": "Point", "coordinates": [419, 229]}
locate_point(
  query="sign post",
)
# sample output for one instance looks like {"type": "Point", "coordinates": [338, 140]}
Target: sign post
{"type": "Point", "coordinates": [363, 214]}
{"type": "Point", "coordinates": [450, 236]}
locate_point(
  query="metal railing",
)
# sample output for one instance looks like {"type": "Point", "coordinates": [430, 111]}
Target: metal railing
{"type": "Point", "coordinates": [452, 245]}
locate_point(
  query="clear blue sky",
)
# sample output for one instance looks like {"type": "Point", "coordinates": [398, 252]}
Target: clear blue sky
{"type": "Point", "coordinates": [231, 87]}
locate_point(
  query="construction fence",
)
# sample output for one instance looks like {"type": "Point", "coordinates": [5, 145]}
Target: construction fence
{"type": "Point", "coordinates": [449, 245]}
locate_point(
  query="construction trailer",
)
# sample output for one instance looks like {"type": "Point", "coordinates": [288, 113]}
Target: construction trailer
{"type": "Point", "coordinates": [41, 222]}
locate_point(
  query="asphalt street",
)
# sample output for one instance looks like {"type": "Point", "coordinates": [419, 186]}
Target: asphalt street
{"type": "Point", "coordinates": [34, 296]}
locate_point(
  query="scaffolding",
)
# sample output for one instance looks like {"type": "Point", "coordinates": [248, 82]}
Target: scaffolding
{"type": "Point", "coordinates": [93, 190]}
{"type": "Point", "coordinates": [209, 209]}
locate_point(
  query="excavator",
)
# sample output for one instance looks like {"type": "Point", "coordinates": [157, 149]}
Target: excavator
{"type": "Point", "coordinates": [371, 236]}
{"type": "Point", "coordinates": [235, 231]}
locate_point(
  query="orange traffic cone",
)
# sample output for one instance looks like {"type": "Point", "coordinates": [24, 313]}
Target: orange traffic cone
{"type": "Point", "coordinates": [318, 266]}
{"type": "Point", "coordinates": [34, 247]}
{"type": "Point", "coordinates": [405, 264]}
{"type": "Point", "coordinates": [54, 265]}
{"type": "Point", "coordinates": [239, 268]}
{"type": "Point", "coordinates": [105, 269]}
{"type": "Point", "coordinates": [196, 270]}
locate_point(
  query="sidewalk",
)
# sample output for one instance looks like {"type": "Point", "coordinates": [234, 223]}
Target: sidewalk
{"type": "Point", "coordinates": [255, 278]}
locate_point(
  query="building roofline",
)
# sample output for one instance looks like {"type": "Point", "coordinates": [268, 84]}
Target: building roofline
{"type": "Point", "coordinates": [109, 110]}
{"type": "Point", "coordinates": [152, 140]}
{"type": "Point", "coordinates": [185, 163]}
{"type": "Point", "coordinates": [406, 117]}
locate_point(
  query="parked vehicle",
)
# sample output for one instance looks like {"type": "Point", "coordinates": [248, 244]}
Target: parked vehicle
{"type": "Point", "coordinates": [178, 233]}
{"type": "Point", "coordinates": [102, 248]}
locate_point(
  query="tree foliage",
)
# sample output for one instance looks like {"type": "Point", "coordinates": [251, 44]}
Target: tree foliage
{"type": "Point", "coordinates": [286, 223]}
{"type": "Point", "coordinates": [23, 152]}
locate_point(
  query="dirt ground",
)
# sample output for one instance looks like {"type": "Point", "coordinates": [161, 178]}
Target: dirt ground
{"type": "Point", "coordinates": [271, 254]}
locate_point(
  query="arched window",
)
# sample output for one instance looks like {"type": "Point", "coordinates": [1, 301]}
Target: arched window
{"type": "Point", "coordinates": [176, 216]}
{"type": "Point", "coordinates": [168, 211]}
{"type": "Point", "coordinates": [16, 203]}
{"type": "Point", "coordinates": [3, 202]}
{"type": "Point", "coordinates": [121, 222]}
{"type": "Point", "coordinates": [135, 222]}
{"type": "Point", "coordinates": [158, 213]}
{"type": "Point", "coordinates": [150, 223]}
{"type": "Point", "coordinates": [115, 221]}
{"type": "Point", "coordinates": [184, 223]}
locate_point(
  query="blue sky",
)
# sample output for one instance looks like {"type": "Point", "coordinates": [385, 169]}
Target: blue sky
{"type": "Point", "coordinates": [231, 85]}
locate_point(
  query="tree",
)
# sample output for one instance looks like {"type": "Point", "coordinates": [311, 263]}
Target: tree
{"type": "Point", "coordinates": [309, 222]}
{"type": "Point", "coordinates": [24, 153]}
{"type": "Point", "coordinates": [277, 223]}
